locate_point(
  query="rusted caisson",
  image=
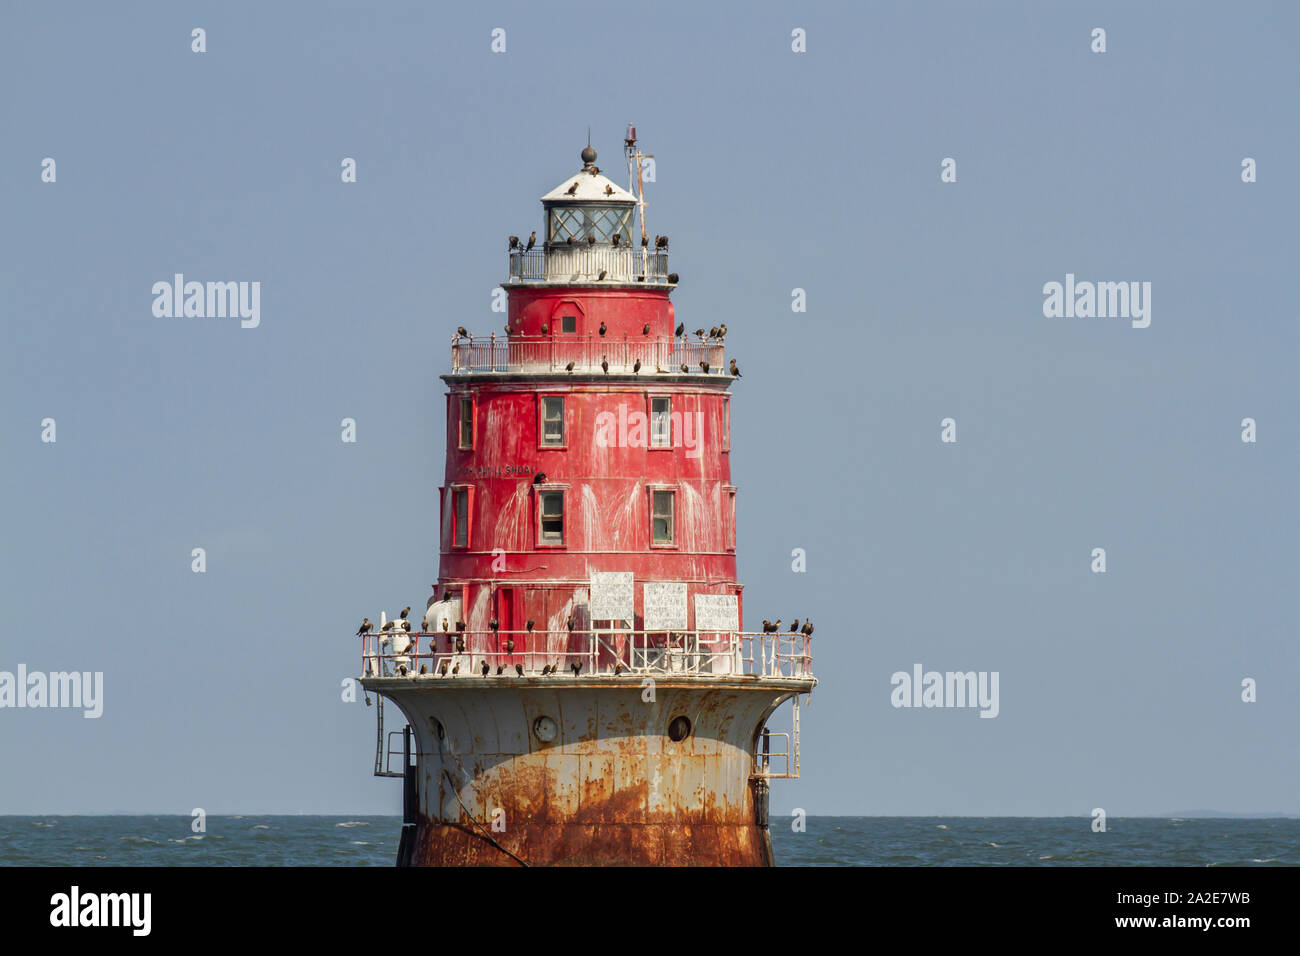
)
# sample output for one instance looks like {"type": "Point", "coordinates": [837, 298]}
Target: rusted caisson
{"type": "Point", "coordinates": [581, 689]}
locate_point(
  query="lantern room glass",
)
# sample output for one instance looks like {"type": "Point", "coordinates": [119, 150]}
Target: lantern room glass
{"type": "Point", "coordinates": [579, 222]}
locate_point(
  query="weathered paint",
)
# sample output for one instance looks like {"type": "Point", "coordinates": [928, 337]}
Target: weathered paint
{"type": "Point", "coordinates": [612, 787]}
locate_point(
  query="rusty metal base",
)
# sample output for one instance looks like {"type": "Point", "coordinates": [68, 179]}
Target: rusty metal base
{"type": "Point", "coordinates": [571, 844]}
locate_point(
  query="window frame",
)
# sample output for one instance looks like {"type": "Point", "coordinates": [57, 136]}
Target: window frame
{"type": "Point", "coordinates": [542, 443]}
{"type": "Point", "coordinates": [726, 423]}
{"type": "Point", "coordinates": [468, 491]}
{"type": "Point", "coordinates": [539, 491]}
{"type": "Point", "coordinates": [461, 399]}
{"type": "Point", "coordinates": [673, 542]}
{"type": "Point", "coordinates": [729, 517]}
{"type": "Point", "coordinates": [651, 398]}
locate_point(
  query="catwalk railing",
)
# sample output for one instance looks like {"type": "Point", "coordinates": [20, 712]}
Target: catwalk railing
{"type": "Point", "coordinates": [553, 353]}
{"type": "Point", "coordinates": [580, 262]}
{"type": "Point", "coordinates": [462, 654]}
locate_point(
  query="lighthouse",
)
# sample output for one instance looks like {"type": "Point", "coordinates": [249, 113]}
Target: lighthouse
{"type": "Point", "coordinates": [583, 687]}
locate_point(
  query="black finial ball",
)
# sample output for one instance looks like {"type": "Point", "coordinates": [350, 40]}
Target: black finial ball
{"type": "Point", "coordinates": [588, 155]}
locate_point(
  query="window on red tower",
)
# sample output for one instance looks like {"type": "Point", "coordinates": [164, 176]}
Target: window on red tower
{"type": "Point", "coordinates": [731, 519]}
{"type": "Point", "coordinates": [662, 506]}
{"type": "Point", "coordinates": [467, 421]}
{"type": "Point", "coordinates": [460, 517]}
{"type": "Point", "coordinates": [569, 323]}
{"type": "Point", "coordinates": [661, 422]}
{"type": "Point", "coordinates": [553, 421]}
{"type": "Point", "coordinates": [550, 519]}
{"type": "Point", "coordinates": [726, 424]}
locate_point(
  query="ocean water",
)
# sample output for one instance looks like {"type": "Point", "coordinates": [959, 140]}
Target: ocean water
{"type": "Point", "coordinates": [828, 841]}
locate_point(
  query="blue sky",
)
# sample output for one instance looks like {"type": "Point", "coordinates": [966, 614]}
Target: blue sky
{"type": "Point", "coordinates": [775, 171]}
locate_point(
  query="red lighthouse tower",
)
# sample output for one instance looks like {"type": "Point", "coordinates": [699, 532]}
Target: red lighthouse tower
{"type": "Point", "coordinates": [582, 689]}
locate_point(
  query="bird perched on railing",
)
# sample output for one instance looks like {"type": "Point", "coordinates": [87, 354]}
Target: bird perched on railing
{"type": "Point", "coordinates": [460, 625]}
{"type": "Point", "coordinates": [794, 626]}
{"type": "Point", "coordinates": [645, 329]}
{"type": "Point", "coordinates": [538, 479]}
{"type": "Point", "coordinates": [661, 242]}
{"type": "Point", "coordinates": [485, 668]}
{"type": "Point", "coordinates": [604, 364]}
{"type": "Point", "coordinates": [532, 240]}
{"type": "Point", "coordinates": [519, 669]}
{"type": "Point", "coordinates": [514, 242]}
{"type": "Point", "coordinates": [530, 625]}
{"type": "Point", "coordinates": [455, 669]}
{"type": "Point", "coordinates": [681, 329]}
{"type": "Point", "coordinates": [713, 332]}
{"type": "Point", "coordinates": [603, 273]}
{"type": "Point", "coordinates": [444, 624]}
{"type": "Point", "coordinates": [685, 367]}
{"type": "Point", "coordinates": [616, 237]}
{"type": "Point", "coordinates": [460, 644]}
{"type": "Point", "coordinates": [722, 330]}
{"type": "Point", "coordinates": [545, 328]}
{"type": "Point", "coordinates": [673, 278]}
{"type": "Point", "coordinates": [494, 624]}
{"type": "Point", "coordinates": [575, 667]}
{"type": "Point", "coordinates": [807, 628]}
{"type": "Point", "coordinates": [636, 368]}
{"type": "Point", "coordinates": [388, 626]}
{"type": "Point", "coordinates": [364, 628]}
{"type": "Point", "coordinates": [645, 241]}
{"type": "Point", "coordinates": [460, 331]}
{"type": "Point", "coordinates": [699, 333]}
{"type": "Point", "coordinates": [704, 366]}
{"type": "Point", "coordinates": [770, 627]}
{"type": "Point", "coordinates": [591, 238]}
{"type": "Point", "coordinates": [569, 241]}
{"type": "Point", "coordinates": [569, 368]}
{"type": "Point", "coordinates": [405, 625]}
{"type": "Point", "coordinates": [602, 328]}
{"type": "Point", "coordinates": [569, 623]}
{"type": "Point", "coordinates": [735, 369]}
{"type": "Point", "coordinates": [443, 669]}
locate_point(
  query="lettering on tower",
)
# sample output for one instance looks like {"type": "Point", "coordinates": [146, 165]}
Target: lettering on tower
{"type": "Point", "coordinates": [611, 595]}
{"type": "Point", "coordinates": [663, 605]}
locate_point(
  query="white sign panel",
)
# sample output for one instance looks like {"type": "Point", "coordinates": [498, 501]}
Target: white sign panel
{"type": "Point", "coordinates": [664, 606]}
{"type": "Point", "coordinates": [716, 612]}
{"type": "Point", "coordinates": [611, 595]}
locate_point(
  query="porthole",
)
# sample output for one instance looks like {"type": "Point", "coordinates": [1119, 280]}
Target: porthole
{"type": "Point", "coordinates": [545, 729]}
{"type": "Point", "coordinates": [679, 729]}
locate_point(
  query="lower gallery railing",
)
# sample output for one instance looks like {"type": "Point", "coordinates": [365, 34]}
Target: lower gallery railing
{"type": "Point", "coordinates": [399, 653]}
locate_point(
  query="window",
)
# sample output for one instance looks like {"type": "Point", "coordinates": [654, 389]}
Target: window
{"type": "Point", "coordinates": [726, 424]}
{"type": "Point", "coordinates": [661, 517]}
{"type": "Point", "coordinates": [661, 429]}
{"type": "Point", "coordinates": [578, 222]}
{"type": "Point", "coordinates": [569, 323]}
{"type": "Point", "coordinates": [467, 421]}
{"type": "Point", "coordinates": [731, 519]}
{"type": "Point", "coordinates": [550, 522]}
{"type": "Point", "coordinates": [553, 421]}
{"type": "Point", "coordinates": [460, 517]}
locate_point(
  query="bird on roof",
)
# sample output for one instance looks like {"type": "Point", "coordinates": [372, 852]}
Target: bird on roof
{"type": "Point", "coordinates": [601, 277]}
{"type": "Point", "coordinates": [405, 611]}
{"type": "Point", "coordinates": [645, 329]}
{"type": "Point", "coordinates": [514, 242]}
{"type": "Point", "coordinates": [539, 478]}
{"type": "Point", "coordinates": [681, 328]}
{"type": "Point", "coordinates": [460, 330]}
{"type": "Point", "coordinates": [572, 190]}
{"type": "Point", "coordinates": [602, 328]}
{"type": "Point", "coordinates": [735, 369]}
{"type": "Point", "coordinates": [609, 190]}
{"type": "Point", "coordinates": [569, 368]}
{"type": "Point", "coordinates": [532, 240]}
{"type": "Point", "coordinates": [636, 368]}
{"type": "Point", "coordinates": [364, 628]}
{"type": "Point", "coordinates": [704, 367]}
{"type": "Point", "coordinates": [673, 278]}
{"type": "Point", "coordinates": [661, 242]}
{"type": "Point", "coordinates": [604, 364]}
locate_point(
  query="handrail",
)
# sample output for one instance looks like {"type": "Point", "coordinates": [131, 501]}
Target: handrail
{"type": "Point", "coordinates": [603, 652]}
{"type": "Point", "coordinates": [589, 353]}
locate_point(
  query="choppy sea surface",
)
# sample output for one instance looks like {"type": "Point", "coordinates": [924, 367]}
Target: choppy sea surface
{"type": "Point", "coordinates": [827, 841]}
